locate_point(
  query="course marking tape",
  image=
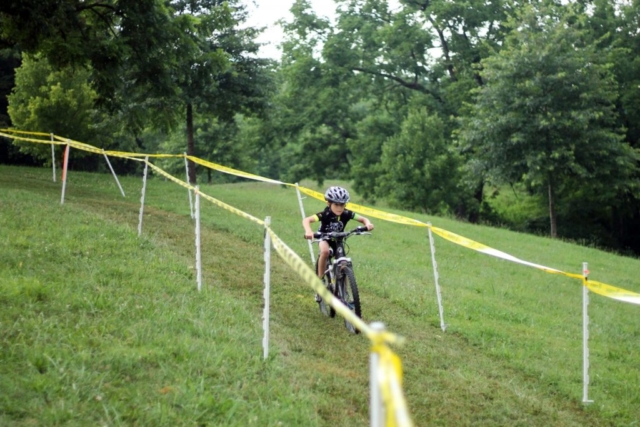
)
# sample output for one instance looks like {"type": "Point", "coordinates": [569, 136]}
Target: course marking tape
{"type": "Point", "coordinates": [39, 141]}
{"type": "Point", "coordinates": [597, 287]}
{"type": "Point", "coordinates": [206, 196]}
{"type": "Point", "coordinates": [26, 132]}
{"type": "Point", "coordinates": [231, 171]}
{"type": "Point", "coordinates": [389, 366]}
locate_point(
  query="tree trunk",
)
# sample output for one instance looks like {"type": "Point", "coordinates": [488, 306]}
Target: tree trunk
{"type": "Point", "coordinates": [470, 213]}
{"type": "Point", "coordinates": [474, 216]}
{"type": "Point", "coordinates": [191, 148]}
{"type": "Point", "coordinates": [552, 212]}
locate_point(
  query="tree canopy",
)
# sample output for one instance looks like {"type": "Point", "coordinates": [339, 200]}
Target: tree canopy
{"type": "Point", "coordinates": [546, 113]}
{"type": "Point", "coordinates": [430, 105]}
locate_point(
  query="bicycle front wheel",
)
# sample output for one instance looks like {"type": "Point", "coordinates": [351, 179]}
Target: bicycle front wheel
{"type": "Point", "coordinates": [348, 293]}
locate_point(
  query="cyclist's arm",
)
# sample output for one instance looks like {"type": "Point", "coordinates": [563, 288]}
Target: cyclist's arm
{"type": "Point", "coordinates": [364, 221]}
{"type": "Point", "coordinates": [306, 224]}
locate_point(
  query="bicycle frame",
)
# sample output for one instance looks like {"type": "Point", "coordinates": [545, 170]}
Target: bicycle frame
{"type": "Point", "coordinates": [333, 263]}
{"type": "Point", "coordinates": [339, 271]}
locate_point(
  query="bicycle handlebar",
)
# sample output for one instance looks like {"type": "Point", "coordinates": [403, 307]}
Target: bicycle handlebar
{"type": "Point", "coordinates": [340, 234]}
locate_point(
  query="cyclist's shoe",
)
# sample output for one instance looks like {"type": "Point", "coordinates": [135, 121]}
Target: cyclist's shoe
{"type": "Point", "coordinates": [318, 298]}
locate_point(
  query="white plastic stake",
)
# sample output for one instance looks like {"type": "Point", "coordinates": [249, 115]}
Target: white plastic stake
{"type": "Point", "coordinates": [436, 277]}
{"type": "Point", "coordinates": [585, 335]}
{"type": "Point", "coordinates": [113, 173]}
{"type": "Point", "coordinates": [144, 189]}
{"type": "Point", "coordinates": [267, 287]}
{"type": "Point", "coordinates": [198, 252]}
{"type": "Point", "coordinates": [376, 408]}
{"type": "Point", "coordinates": [53, 158]}
{"type": "Point", "coordinates": [65, 165]}
{"type": "Point", "coordinates": [313, 258]}
{"type": "Point", "coordinates": [186, 170]}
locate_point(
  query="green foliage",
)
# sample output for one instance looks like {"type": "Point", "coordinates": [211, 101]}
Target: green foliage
{"type": "Point", "coordinates": [151, 61]}
{"type": "Point", "coordinates": [227, 143]}
{"type": "Point", "coordinates": [366, 73]}
{"type": "Point", "coordinates": [372, 132]}
{"type": "Point", "coordinates": [214, 70]}
{"type": "Point", "coordinates": [613, 27]}
{"type": "Point", "coordinates": [60, 102]}
{"type": "Point", "coordinates": [546, 115]}
{"type": "Point", "coordinates": [421, 172]}
{"type": "Point", "coordinates": [104, 35]}
{"type": "Point", "coordinates": [342, 91]}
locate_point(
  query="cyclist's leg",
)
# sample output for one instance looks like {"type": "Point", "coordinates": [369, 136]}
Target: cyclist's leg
{"type": "Point", "coordinates": [321, 266]}
{"type": "Point", "coordinates": [323, 257]}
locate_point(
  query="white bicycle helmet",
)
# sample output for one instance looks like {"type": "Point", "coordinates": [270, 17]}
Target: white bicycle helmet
{"type": "Point", "coordinates": [336, 195]}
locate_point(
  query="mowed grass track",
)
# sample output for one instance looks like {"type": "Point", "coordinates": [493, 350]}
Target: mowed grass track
{"type": "Point", "coordinates": [101, 327]}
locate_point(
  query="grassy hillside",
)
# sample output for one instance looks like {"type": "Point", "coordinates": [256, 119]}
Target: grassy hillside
{"type": "Point", "coordinates": [98, 326]}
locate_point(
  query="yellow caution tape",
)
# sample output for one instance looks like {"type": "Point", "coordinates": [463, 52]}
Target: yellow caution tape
{"type": "Point", "coordinates": [311, 193]}
{"type": "Point", "coordinates": [374, 213]}
{"type": "Point", "coordinates": [22, 138]}
{"type": "Point", "coordinates": [141, 155]}
{"type": "Point", "coordinates": [613, 292]}
{"type": "Point", "coordinates": [200, 193]}
{"type": "Point", "coordinates": [294, 261]}
{"type": "Point", "coordinates": [597, 287]}
{"type": "Point", "coordinates": [26, 132]}
{"type": "Point", "coordinates": [231, 171]}
{"type": "Point", "coordinates": [603, 289]}
{"type": "Point", "coordinates": [468, 243]}
{"type": "Point", "coordinates": [389, 369]}
{"type": "Point", "coordinates": [390, 366]}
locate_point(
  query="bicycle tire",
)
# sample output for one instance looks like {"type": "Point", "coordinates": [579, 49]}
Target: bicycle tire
{"type": "Point", "coordinates": [349, 295]}
{"type": "Point", "coordinates": [325, 308]}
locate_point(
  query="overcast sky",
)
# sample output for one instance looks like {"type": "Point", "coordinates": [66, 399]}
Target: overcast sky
{"type": "Point", "coordinates": [267, 12]}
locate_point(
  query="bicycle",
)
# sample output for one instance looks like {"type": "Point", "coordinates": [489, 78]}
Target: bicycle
{"type": "Point", "coordinates": [339, 277]}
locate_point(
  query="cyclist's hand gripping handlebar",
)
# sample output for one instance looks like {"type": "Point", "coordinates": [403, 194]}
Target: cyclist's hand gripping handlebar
{"type": "Point", "coordinates": [340, 234]}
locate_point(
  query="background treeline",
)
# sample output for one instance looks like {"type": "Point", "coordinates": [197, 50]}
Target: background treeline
{"type": "Point", "coordinates": [524, 114]}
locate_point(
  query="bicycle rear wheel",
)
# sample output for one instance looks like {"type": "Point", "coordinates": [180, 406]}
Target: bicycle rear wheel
{"type": "Point", "coordinates": [348, 293]}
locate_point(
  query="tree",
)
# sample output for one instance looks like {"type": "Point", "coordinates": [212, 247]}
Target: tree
{"type": "Point", "coordinates": [314, 102]}
{"type": "Point", "coordinates": [210, 66]}
{"type": "Point", "coordinates": [613, 27]}
{"type": "Point", "coordinates": [546, 114]}
{"type": "Point", "coordinates": [163, 57]}
{"type": "Point", "coordinates": [378, 61]}
{"type": "Point", "coordinates": [59, 102]}
{"type": "Point", "coordinates": [373, 131]}
{"type": "Point", "coordinates": [421, 170]}
{"type": "Point", "coordinates": [100, 34]}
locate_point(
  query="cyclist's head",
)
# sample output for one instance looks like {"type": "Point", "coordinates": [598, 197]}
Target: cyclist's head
{"type": "Point", "coordinates": [336, 195]}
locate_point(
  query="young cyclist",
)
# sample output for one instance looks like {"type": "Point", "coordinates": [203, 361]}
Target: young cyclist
{"type": "Point", "coordinates": [333, 218]}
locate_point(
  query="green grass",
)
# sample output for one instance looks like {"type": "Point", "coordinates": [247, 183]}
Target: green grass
{"type": "Point", "coordinates": [100, 327]}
